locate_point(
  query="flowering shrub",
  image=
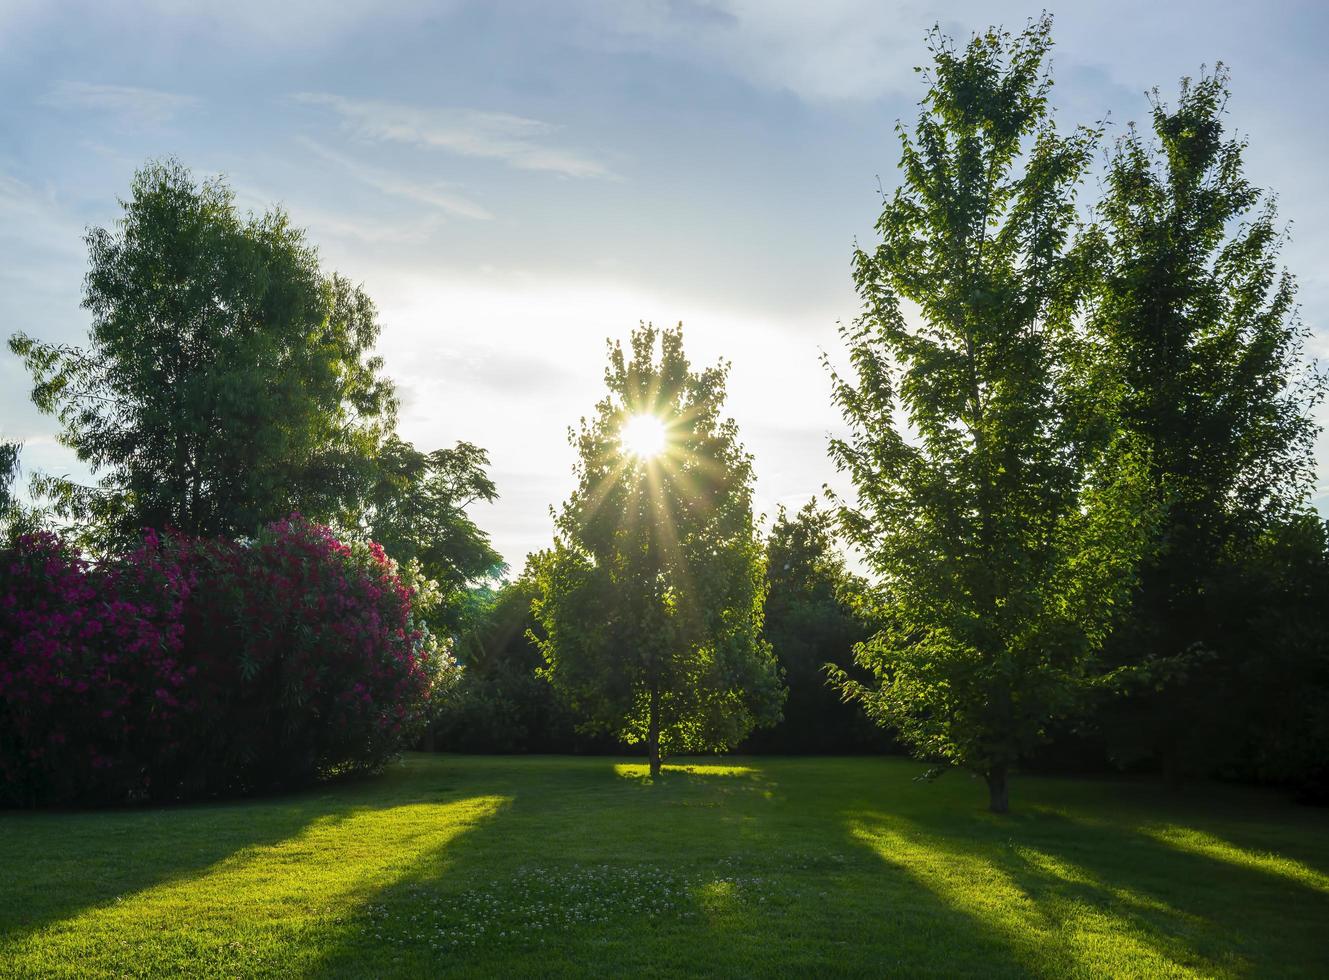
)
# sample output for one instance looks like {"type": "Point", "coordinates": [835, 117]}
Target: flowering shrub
{"type": "Point", "coordinates": [205, 667]}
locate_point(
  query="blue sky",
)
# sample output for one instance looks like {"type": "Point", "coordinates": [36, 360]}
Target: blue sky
{"type": "Point", "coordinates": [514, 182]}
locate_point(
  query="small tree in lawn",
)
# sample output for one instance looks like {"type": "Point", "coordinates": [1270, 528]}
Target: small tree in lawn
{"type": "Point", "coordinates": [1001, 549]}
{"type": "Point", "coordinates": [651, 599]}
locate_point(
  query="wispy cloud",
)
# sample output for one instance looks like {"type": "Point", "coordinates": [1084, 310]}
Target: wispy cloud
{"type": "Point", "coordinates": [515, 140]}
{"type": "Point", "coordinates": [140, 105]}
{"type": "Point", "coordinates": [436, 195]}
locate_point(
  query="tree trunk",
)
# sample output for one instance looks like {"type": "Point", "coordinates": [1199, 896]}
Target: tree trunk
{"type": "Point", "coordinates": [653, 736]}
{"type": "Point", "coordinates": [998, 792]}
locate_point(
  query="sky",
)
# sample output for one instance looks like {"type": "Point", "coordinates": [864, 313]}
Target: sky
{"type": "Point", "coordinates": [513, 183]}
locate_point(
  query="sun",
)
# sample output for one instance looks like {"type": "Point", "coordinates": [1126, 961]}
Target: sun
{"type": "Point", "coordinates": [643, 436]}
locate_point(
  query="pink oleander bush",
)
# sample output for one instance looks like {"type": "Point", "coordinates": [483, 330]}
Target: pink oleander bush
{"type": "Point", "coordinates": [193, 668]}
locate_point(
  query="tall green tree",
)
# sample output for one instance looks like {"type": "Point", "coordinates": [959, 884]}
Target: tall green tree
{"type": "Point", "coordinates": [1197, 353]}
{"type": "Point", "coordinates": [226, 380]}
{"type": "Point", "coordinates": [418, 508]}
{"type": "Point", "coordinates": [1001, 550]}
{"type": "Point", "coordinates": [651, 599]}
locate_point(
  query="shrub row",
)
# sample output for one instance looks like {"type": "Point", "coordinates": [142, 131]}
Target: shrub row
{"type": "Point", "coordinates": [200, 667]}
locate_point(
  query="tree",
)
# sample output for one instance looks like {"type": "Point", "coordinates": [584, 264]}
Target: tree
{"type": "Point", "coordinates": [1197, 354]}
{"type": "Point", "coordinates": [651, 599]}
{"type": "Point", "coordinates": [8, 473]}
{"type": "Point", "coordinates": [226, 382]}
{"type": "Point", "coordinates": [1000, 547]}
{"type": "Point", "coordinates": [417, 509]}
{"type": "Point", "coordinates": [9, 455]}
{"type": "Point", "coordinates": [502, 704]}
{"type": "Point", "coordinates": [815, 613]}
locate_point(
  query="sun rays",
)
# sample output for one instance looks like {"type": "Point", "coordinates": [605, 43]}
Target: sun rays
{"type": "Point", "coordinates": [643, 436]}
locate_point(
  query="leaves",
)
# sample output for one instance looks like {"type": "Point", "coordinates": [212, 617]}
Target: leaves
{"type": "Point", "coordinates": [1002, 540]}
{"type": "Point", "coordinates": [226, 380]}
{"type": "Point", "coordinates": [654, 590]}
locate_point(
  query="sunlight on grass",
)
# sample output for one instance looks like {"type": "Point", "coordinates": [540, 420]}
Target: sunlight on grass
{"type": "Point", "coordinates": [242, 913]}
{"type": "Point", "coordinates": [1049, 912]}
{"type": "Point", "coordinates": [629, 770]}
{"type": "Point", "coordinates": [556, 866]}
{"type": "Point", "coordinates": [1206, 845]}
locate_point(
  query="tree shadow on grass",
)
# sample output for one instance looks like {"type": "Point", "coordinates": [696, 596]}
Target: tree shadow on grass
{"type": "Point", "coordinates": [705, 871]}
{"type": "Point", "coordinates": [575, 866]}
{"type": "Point", "coordinates": [218, 885]}
{"type": "Point", "coordinates": [1091, 897]}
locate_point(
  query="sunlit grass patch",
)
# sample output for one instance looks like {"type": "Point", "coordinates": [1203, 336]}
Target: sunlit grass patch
{"type": "Point", "coordinates": [251, 910]}
{"type": "Point", "coordinates": [491, 866]}
{"type": "Point", "coordinates": [1207, 845]}
{"type": "Point", "coordinates": [632, 770]}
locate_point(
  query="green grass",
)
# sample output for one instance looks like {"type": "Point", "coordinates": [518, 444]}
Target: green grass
{"type": "Point", "coordinates": [547, 866]}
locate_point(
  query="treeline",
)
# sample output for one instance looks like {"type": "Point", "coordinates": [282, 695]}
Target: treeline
{"type": "Point", "coordinates": [815, 611]}
{"type": "Point", "coordinates": [1080, 441]}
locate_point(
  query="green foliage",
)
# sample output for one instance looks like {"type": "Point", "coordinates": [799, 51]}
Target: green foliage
{"type": "Point", "coordinates": [651, 599]}
{"type": "Point", "coordinates": [417, 509]}
{"type": "Point", "coordinates": [1002, 545]}
{"type": "Point", "coordinates": [815, 612]}
{"type": "Point", "coordinates": [501, 703]}
{"type": "Point", "coordinates": [1197, 354]}
{"type": "Point", "coordinates": [8, 473]}
{"type": "Point", "coordinates": [227, 381]}
{"type": "Point", "coordinates": [9, 468]}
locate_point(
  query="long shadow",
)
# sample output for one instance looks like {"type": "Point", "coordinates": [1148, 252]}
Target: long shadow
{"type": "Point", "coordinates": [71, 872]}
{"type": "Point", "coordinates": [1103, 895]}
{"type": "Point", "coordinates": [596, 869]}
{"type": "Point", "coordinates": [566, 866]}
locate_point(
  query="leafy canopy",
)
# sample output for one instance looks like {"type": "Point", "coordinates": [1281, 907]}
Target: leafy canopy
{"type": "Point", "coordinates": [1197, 354]}
{"type": "Point", "coordinates": [1001, 546]}
{"type": "Point", "coordinates": [417, 509]}
{"type": "Point", "coordinates": [651, 599]}
{"type": "Point", "coordinates": [226, 381]}
{"type": "Point", "coordinates": [816, 610]}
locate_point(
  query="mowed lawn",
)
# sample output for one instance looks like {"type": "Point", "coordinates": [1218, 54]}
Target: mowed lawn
{"type": "Point", "coordinates": [571, 866]}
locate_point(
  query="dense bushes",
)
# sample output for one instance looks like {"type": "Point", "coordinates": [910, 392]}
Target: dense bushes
{"type": "Point", "coordinates": [501, 703]}
{"type": "Point", "coordinates": [197, 667]}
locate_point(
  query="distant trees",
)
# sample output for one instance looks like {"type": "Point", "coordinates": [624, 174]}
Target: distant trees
{"type": "Point", "coordinates": [651, 599]}
{"type": "Point", "coordinates": [502, 704]}
{"type": "Point", "coordinates": [816, 610]}
{"type": "Point", "coordinates": [227, 380]}
{"type": "Point", "coordinates": [1002, 545]}
{"type": "Point", "coordinates": [1081, 456]}
{"type": "Point", "coordinates": [416, 507]}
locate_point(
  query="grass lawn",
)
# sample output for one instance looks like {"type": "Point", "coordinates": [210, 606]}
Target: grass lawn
{"type": "Point", "coordinates": [547, 866]}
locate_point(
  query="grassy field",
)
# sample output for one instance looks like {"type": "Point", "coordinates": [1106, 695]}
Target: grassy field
{"type": "Point", "coordinates": [547, 866]}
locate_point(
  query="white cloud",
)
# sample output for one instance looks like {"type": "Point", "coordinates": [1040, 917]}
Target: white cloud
{"type": "Point", "coordinates": [510, 361]}
{"type": "Point", "coordinates": [828, 50]}
{"type": "Point", "coordinates": [834, 50]}
{"type": "Point", "coordinates": [436, 195]}
{"type": "Point", "coordinates": [138, 105]}
{"type": "Point", "coordinates": [515, 140]}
